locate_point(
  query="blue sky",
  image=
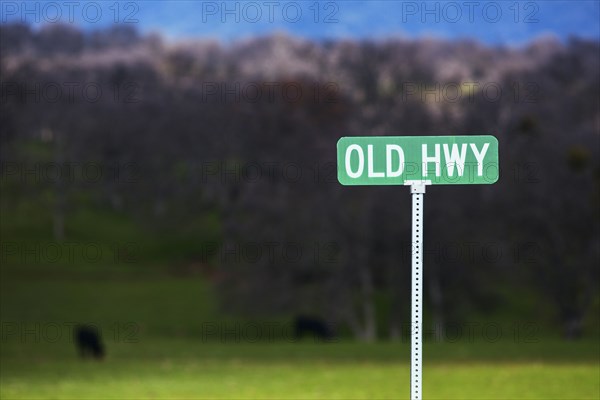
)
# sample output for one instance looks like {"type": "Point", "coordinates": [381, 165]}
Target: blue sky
{"type": "Point", "coordinates": [495, 22]}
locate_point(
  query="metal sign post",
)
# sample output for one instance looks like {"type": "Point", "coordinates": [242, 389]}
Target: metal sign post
{"type": "Point", "coordinates": [417, 190]}
{"type": "Point", "coordinates": [417, 161]}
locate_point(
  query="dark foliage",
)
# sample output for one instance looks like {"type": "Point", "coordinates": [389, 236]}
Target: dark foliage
{"type": "Point", "coordinates": [184, 124]}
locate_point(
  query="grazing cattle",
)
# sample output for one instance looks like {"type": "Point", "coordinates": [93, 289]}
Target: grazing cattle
{"type": "Point", "coordinates": [89, 342]}
{"type": "Point", "coordinates": [304, 325]}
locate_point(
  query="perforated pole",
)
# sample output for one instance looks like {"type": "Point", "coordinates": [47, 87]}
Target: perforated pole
{"type": "Point", "coordinates": [416, 343]}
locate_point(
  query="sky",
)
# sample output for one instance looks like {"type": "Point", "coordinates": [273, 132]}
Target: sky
{"type": "Point", "coordinates": [494, 22]}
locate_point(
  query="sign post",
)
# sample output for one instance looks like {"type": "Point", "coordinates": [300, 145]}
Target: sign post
{"type": "Point", "coordinates": [417, 161]}
{"type": "Point", "coordinates": [417, 190]}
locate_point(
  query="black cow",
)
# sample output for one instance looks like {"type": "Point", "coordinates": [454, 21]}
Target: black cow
{"type": "Point", "coordinates": [89, 342]}
{"type": "Point", "coordinates": [304, 325]}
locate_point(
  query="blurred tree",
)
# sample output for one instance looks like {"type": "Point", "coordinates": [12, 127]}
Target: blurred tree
{"type": "Point", "coordinates": [178, 120]}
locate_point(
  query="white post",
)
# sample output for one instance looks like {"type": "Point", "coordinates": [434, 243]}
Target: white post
{"type": "Point", "coordinates": [417, 190]}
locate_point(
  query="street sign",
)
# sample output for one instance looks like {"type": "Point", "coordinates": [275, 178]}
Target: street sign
{"type": "Point", "coordinates": [394, 160]}
{"type": "Point", "coordinates": [417, 161]}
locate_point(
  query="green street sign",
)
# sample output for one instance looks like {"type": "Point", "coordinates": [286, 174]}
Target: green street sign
{"type": "Point", "coordinates": [398, 160]}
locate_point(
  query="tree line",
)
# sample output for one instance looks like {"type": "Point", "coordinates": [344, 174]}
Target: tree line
{"type": "Point", "coordinates": [248, 131]}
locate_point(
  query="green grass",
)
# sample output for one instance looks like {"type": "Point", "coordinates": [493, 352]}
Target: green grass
{"type": "Point", "coordinates": [153, 319]}
{"type": "Point", "coordinates": [188, 368]}
{"type": "Point", "coordinates": [169, 358]}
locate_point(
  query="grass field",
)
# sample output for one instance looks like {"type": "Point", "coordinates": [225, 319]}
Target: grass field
{"type": "Point", "coordinates": [156, 350]}
{"type": "Point", "coordinates": [185, 368]}
{"type": "Point", "coordinates": [152, 320]}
